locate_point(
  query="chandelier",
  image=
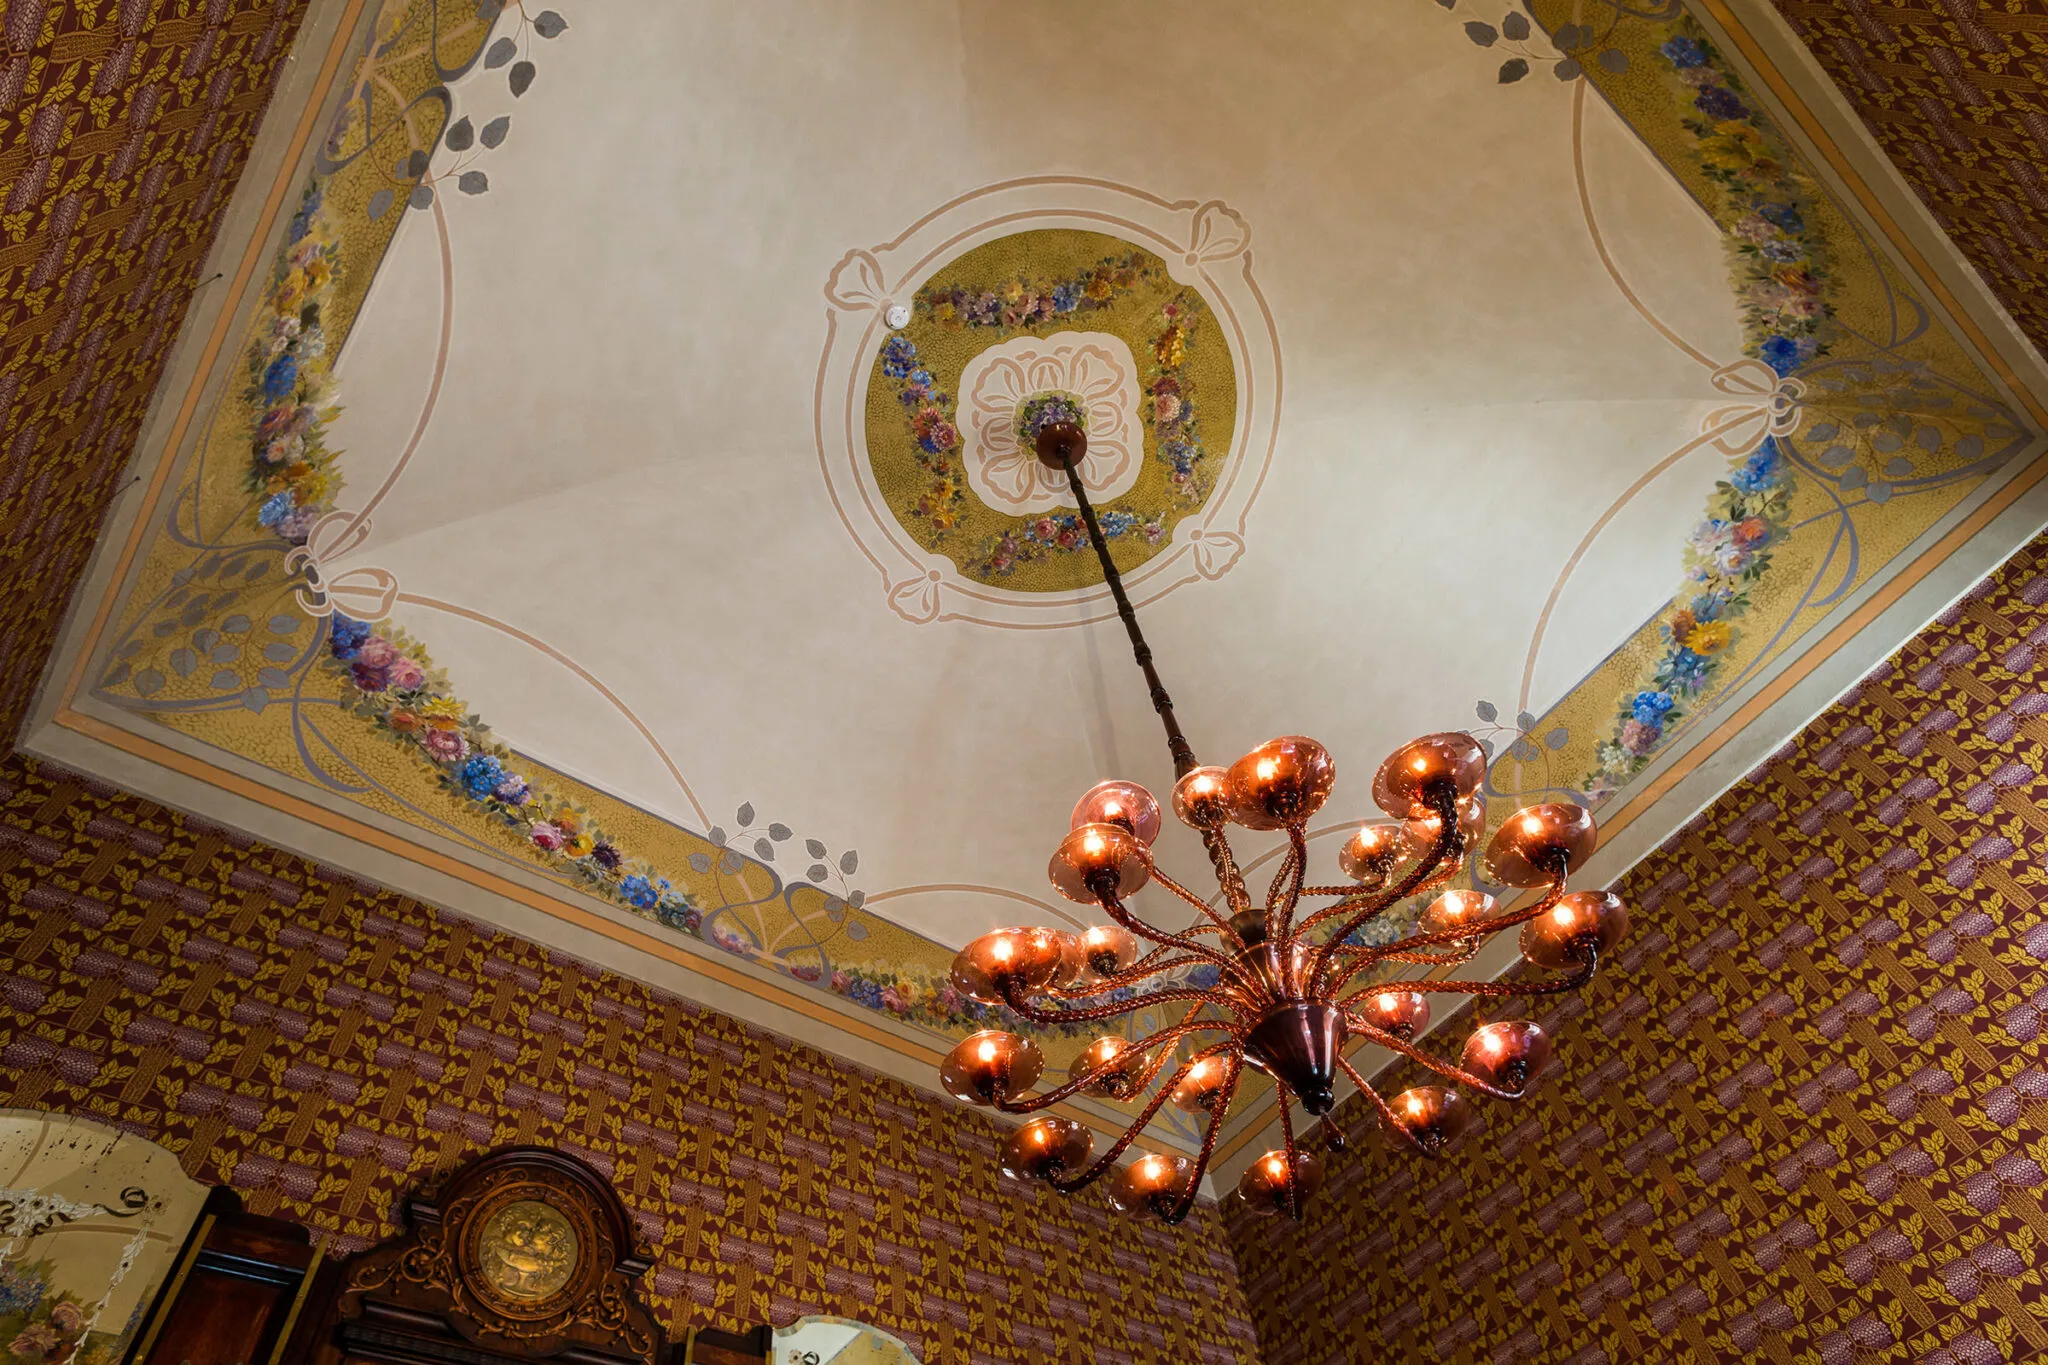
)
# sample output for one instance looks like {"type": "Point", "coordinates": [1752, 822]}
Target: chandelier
{"type": "Point", "coordinates": [1286, 997]}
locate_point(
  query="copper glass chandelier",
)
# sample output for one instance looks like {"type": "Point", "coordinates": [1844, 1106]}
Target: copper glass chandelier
{"type": "Point", "coordinates": [1286, 998]}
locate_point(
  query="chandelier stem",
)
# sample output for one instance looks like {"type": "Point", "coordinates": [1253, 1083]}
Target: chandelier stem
{"type": "Point", "coordinates": [1176, 742]}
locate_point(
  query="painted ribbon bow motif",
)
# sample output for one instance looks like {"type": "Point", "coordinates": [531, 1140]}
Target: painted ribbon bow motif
{"type": "Point", "coordinates": [1772, 409]}
{"type": "Point", "coordinates": [367, 594]}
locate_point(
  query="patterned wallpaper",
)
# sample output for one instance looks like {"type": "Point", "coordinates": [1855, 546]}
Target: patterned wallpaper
{"type": "Point", "coordinates": [124, 125]}
{"type": "Point", "coordinates": [1953, 92]}
{"type": "Point", "coordinates": [1801, 1116]}
{"type": "Point", "coordinates": [320, 1044]}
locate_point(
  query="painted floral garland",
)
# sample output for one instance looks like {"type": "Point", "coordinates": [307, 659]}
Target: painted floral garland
{"type": "Point", "coordinates": [291, 471]}
{"type": "Point", "coordinates": [388, 678]}
{"type": "Point", "coordinates": [1780, 263]}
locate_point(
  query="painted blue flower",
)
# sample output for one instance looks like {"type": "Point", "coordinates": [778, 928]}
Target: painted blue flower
{"type": "Point", "coordinates": [1784, 217]}
{"type": "Point", "coordinates": [1707, 605]}
{"type": "Point", "coordinates": [282, 376]}
{"type": "Point", "coordinates": [22, 1289]}
{"type": "Point", "coordinates": [1684, 52]}
{"type": "Point", "coordinates": [1066, 297]}
{"type": "Point", "coordinates": [1760, 471]}
{"type": "Point", "coordinates": [1115, 524]}
{"type": "Point", "coordinates": [1651, 707]}
{"type": "Point", "coordinates": [1782, 354]}
{"type": "Point", "coordinates": [1719, 102]}
{"type": "Point", "coordinates": [345, 636]}
{"type": "Point", "coordinates": [1685, 671]}
{"type": "Point", "coordinates": [899, 357]}
{"type": "Point", "coordinates": [1179, 454]}
{"type": "Point", "coordinates": [512, 790]}
{"type": "Point", "coordinates": [480, 775]}
{"type": "Point", "coordinates": [1205, 977]}
{"type": "Point", "coordinates": [275, 509]}
{"type": "Point", "coordinates": [642, 892]}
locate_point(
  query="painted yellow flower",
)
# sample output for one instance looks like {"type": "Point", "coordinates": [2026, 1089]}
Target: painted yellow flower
{"type": "Point", "coordinates": [291, 291]}
{"type": "Point", "coordinates": [1013, 291]}
{"type": "Point", "coordinates": [1098, 287]}
{"type": "Point", "coordinates": [1170, 350]}
{"type": "Point", "coordinates": [1709, 637]}
{"type": "Point", "coordinates": [580, 844]}
{"type": "Point", "coordinates": [318, 274]}
{"type": "Point", "coordinates": [442, 713]}
{"type": "Point", "coordinates": [1736, 147]}
{"type": "Point", "coordinates": [946, 314]}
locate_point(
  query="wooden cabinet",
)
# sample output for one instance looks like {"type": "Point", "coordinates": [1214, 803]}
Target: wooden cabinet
{"type": "Point", "coordinates": [231, 1297]}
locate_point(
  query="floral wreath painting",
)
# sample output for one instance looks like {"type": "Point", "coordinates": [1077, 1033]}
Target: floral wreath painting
{"type": "Point", "coordinates": [948, 347]}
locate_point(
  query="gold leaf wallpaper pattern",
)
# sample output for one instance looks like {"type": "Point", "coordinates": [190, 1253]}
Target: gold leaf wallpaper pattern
{"type": "Point", "coordinates": [321, 1045]}
{"type": "Point", "coordinates": [1800, 1117]}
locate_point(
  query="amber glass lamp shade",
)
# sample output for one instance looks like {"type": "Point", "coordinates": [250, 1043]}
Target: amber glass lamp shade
{"type": "Point", "coordinates": [1120, 1082]}
{"type": "Point", "coordinates": [1264, 1183]}
{"type": "Point", "coordinates": [1202, 798]}
{"type": "Point", "coordinates": [1537, 842]}
{"type": "Point", "coordinates": [1455, 910]}
{"type": "Point", "coordinates": [1370, 856]}
{"type": "Point", "coordinates": [1401, 1013]}
{"type": "Point", "coordinates": [1282, 782]}
{"type": "Point", "coordinates": [1558, 938]}
{"type": "Point", "coordinates": [1046, 1148]}
{"type": "Point", "coordinates": [1404, 782]}
{"type": "Point", "coordinates": [1432, 1116]}
{"type": "Point", "coordinates": [1119, 803]}
{"type": "Point", "coordinates": [1029, 958]}
{"type": "Point", "coordinates": [1201, 1087]}
{"type": "Point", "coordinates": [1095, 859]}
{"type": "Point", "coordinates": [989, 1066]}
{"type": "Point", "coordinates": [1104, 950]}
{"type": "Point", "coordinates": [1508, 1056]}
{"type": "Point", "coordinates": [1151, 1182]}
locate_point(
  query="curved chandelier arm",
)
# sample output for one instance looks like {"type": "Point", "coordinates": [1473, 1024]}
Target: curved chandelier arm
{"type": "Point", "coordinates": [1498, 990]}
{"type": "Point", "coordinates": [1355, 958]}
{"type": "Point", "coordinates": [1229, 966]}
{"type": "Point", "coordinates": [1144, 969]}
{"type": "Point", "coordinates": [1386, 1113]}
{"type": "Point", "coordinates": [1227, 875]}
{"type": "Point", "coordinates": [1165, 1041]}
{"type": "Point", "coordinates": [1449, 847]}
{"type": "Point", "coordinates": [1413, 1053]}
{"type": "Point", "coordinates": [1102, 1163]}
{"type": "Point", "coordinates": [1217, 921]}
{"type": "Point", "coordinates": [1220, 1105]}
{"type": "Point", "coordinates": [1287, 1155]}
{"type": "Point", "coordinates": [1014, 998]}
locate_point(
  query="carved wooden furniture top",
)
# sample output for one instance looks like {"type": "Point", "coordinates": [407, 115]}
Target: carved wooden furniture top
{"type": "Point", "coordinates": [524, 1252]}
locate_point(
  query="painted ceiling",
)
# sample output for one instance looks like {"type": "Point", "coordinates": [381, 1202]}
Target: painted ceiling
{"type": "Point", "coordinates": [612, 494]}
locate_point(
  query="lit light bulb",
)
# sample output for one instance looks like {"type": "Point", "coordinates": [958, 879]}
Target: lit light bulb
{"type": "Point", "coordinates": [1093, 843]}
{"type": "Point", "coordinates": [1001, 949]}
{"type": "Point", "coordinates": [988, 1050]}
{"type": "Point", "coordinates": [1267, 767]}
{"type": "Point", "coordinates": [1415, 1104]}
{"type": "Point", "coordinates": [1492, 1042]}
{"type": "Point", "coordinates": [1563, 914]}
{"type": "Point", "coordinates": [1532, 824]}
{"type": "Point", "coordinates": [1204, 784]}
{"type": "Point", "coordinates": [1421, 764]}
{"type": "Point", "coordinates": [1112, 809]}
{"type": "Point", "coordinates": [1388, 1000]}
{"type": "Point", "coordinates": [1274, 1164]}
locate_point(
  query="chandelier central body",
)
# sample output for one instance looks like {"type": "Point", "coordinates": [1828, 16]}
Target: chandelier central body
{"type": "Point", "coordinates": [1285, 997]}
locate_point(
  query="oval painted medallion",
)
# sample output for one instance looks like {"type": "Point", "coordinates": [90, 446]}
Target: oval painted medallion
{"type": "Point", "coordinates": [1050, 324]}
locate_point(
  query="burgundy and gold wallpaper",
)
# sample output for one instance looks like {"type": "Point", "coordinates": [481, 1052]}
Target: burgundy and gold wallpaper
{"type": "Point", "coordinates": [124, 126]}
{"type": "Point", "coordinates": [1800, 1117]}
{"type": "Point", "coordinates": [320, 1045]}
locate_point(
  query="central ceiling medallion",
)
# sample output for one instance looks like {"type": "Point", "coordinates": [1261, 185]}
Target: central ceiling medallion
{"type": "Point", "coordinates": [1133, 319]}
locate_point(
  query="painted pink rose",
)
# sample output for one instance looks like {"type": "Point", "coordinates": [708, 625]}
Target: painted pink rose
{"type": "Point", "coordinates": [892, 1001]}
{"type": "Point", "coordinates": [1639, 738]}
{"type": "Point", "coordinates": [1165, 407]}
{"type": "Point", "coordinates": [378, 652]}
{"type": "Point", "coordinates": [275, 423]}
{"type": "Point", "coordinates": [67, 1317]}
{"type": "Point", "coordinates": [1754, 227]}
{"type": "Point", "coordinates": [406, 674]}
{"type": "Point", "coordinates": [447, 746]}
{"type": "Point", "coordinates": [547, 837]}
{"type": "Point", "coordinates": [839, 980]}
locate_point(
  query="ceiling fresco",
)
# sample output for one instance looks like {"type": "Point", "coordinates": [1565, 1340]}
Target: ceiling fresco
{"type": "Point", "coordinates": [638, 516]}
